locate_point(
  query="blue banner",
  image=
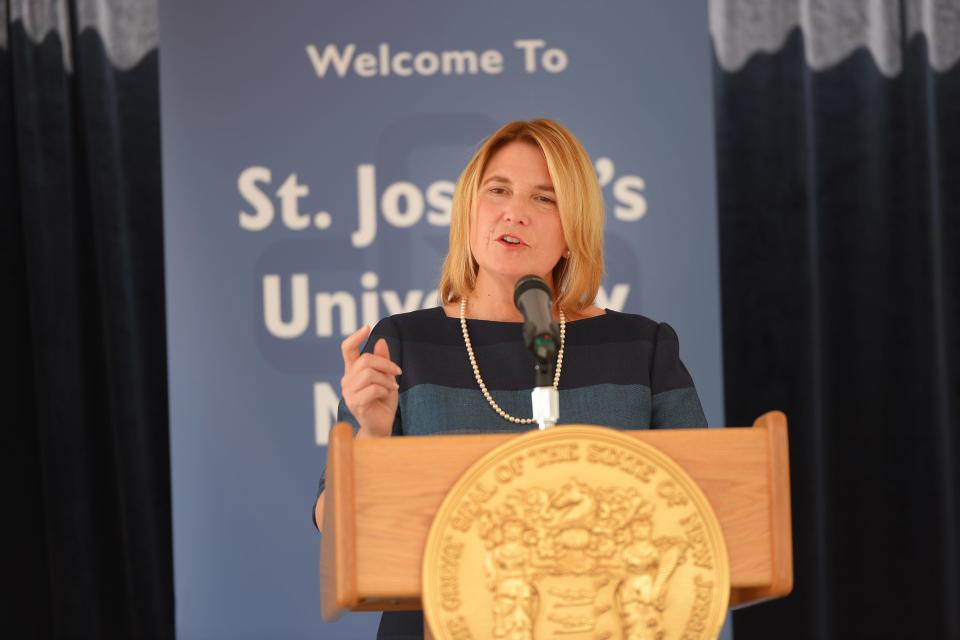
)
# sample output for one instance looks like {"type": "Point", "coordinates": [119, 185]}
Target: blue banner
{"type": "Point", "coordinates": [310, 153]}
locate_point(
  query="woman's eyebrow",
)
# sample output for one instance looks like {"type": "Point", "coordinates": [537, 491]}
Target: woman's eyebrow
{"type": "Point", "coordinates": [540, 187]}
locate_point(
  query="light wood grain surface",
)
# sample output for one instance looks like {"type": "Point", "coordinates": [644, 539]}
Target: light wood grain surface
{"type": "Point", "coordinates": [377, 527]}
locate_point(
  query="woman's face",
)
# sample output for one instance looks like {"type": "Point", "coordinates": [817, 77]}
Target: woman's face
{"type": "Point", "coordinates": [515, 229]}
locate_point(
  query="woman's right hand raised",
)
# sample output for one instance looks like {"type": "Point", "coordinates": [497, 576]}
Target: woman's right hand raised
{"type": "Point", "coordinates": [369, 385]}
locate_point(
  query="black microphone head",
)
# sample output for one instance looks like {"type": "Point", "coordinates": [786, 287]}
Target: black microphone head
{"type": "Point", "coordinates": [527, 283]}
{"type": "Point", "coordinates": [535, 300]}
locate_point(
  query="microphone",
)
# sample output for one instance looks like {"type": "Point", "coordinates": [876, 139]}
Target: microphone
{"type": "Point", "coordinates": [535, 301]}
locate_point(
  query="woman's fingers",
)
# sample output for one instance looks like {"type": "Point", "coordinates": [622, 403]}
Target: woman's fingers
{"type": "Point", "coordinates": [369, 383]}
{"type": "Point", "coordinates": [379, 359]}
{"type": "Point", "coordinates": [373, 361]}
{"type": "Point", "coordinates": [368, 395]}
{"type": "Point", "coordinates": [350, 347]}
{"type": "Point", "coordinates": [381, 349]}
{"type": "Point", "coordinates": [368, 376]}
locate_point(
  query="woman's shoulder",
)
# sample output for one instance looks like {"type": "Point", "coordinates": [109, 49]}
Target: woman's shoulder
{"type": "Point", "coordinates": [620, 325]}
{"type": "Point", "coordinates": [413, 324]}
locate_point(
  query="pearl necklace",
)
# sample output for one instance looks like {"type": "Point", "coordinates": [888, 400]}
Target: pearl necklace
{"type": "Point", "coordinates": [476, 369]}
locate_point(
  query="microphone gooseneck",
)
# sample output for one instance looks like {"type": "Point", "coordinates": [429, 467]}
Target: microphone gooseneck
{"type": "Point", "coordinates": [542, 337]}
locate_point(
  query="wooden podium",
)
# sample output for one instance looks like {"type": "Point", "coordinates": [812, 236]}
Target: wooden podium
{"type": "Point", "coordinates": [381, 497]}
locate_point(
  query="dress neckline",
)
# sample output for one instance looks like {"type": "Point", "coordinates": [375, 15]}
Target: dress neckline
{"type": "Point", "coordinates": [443, 313]}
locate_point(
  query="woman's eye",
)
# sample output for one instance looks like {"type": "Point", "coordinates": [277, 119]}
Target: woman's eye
{"type": "Point", "coordinates": [546, 200]}
{"type": "Point", "coordinates": [497, 190]}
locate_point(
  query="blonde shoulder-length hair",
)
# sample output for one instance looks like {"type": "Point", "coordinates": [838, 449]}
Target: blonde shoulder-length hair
{"type": "Point", "coordinates": [576, 278]}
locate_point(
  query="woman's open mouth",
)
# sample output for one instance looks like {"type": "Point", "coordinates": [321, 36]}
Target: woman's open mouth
{"type": "Point", "coordinates": [511, 241]}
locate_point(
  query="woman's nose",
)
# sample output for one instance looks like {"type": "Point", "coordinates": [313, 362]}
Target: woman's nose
{"type": "Point", "coordinates": [514, 212]}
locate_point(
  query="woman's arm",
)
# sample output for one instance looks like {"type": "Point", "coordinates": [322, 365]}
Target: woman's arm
{"type": "Point", "coordinates": [318, 505]}
{"type": "Point", "coordinates": [318, 512]}
{"type": "Point", "coordinates": [674, 401]}
{"type": "Point", "coordinates": [370, 394]}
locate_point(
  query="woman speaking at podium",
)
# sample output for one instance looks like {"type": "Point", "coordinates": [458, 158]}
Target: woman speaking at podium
{"type": "Point", "coordinates": [528, 202]}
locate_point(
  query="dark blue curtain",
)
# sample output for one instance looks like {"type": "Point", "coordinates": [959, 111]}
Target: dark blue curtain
{"type": "Point", "coordinates": [839, 211]}
{"type": "Point", "coordinates": [86, 453]}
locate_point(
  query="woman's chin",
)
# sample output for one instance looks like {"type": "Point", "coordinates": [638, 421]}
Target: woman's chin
{"type": "Point", "coordinates": [515, 272]}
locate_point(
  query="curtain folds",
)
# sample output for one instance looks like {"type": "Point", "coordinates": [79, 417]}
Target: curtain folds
{"type": "Point", "coordinates": [839, 205]}
{"type": "Point", "coordinates": [82, 246]}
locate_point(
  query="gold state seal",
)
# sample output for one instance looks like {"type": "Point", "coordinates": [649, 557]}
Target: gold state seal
{"type": "Point", "coordinates": [578, 533]}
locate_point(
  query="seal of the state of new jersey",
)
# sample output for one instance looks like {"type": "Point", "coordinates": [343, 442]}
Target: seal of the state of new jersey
{"type": "Point", "coordinates": [579, 533]}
